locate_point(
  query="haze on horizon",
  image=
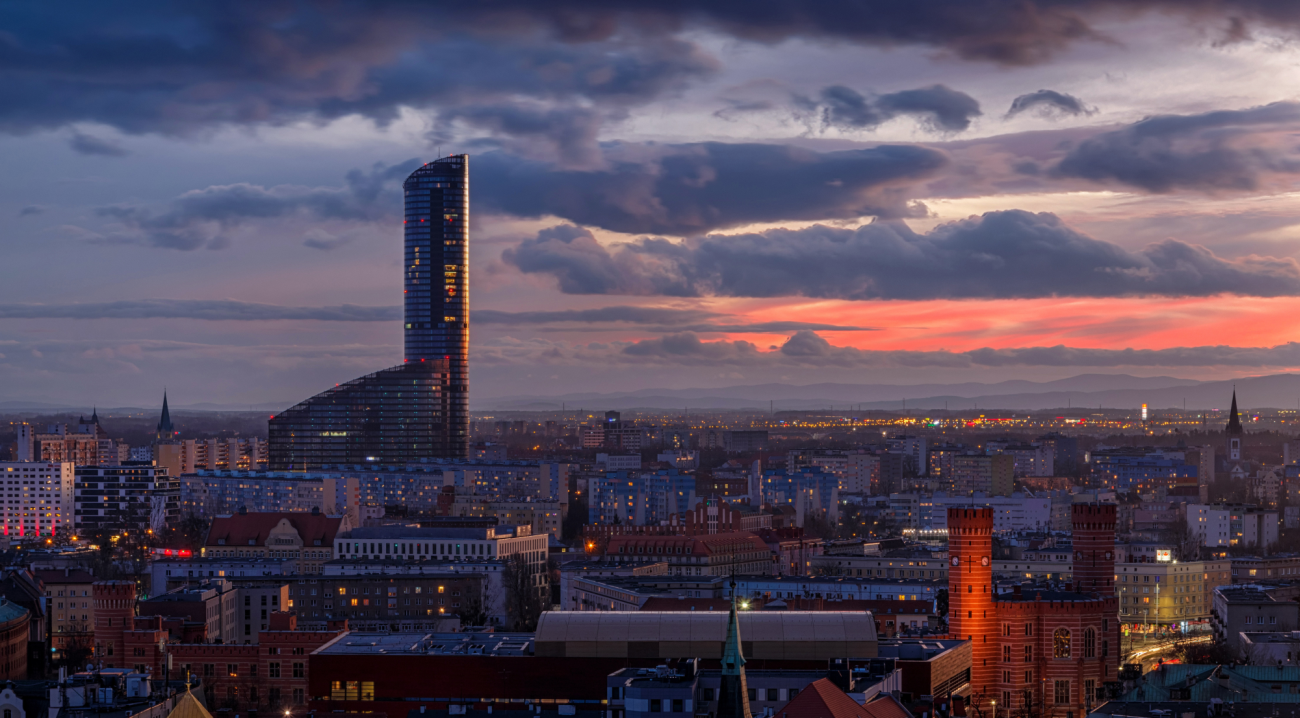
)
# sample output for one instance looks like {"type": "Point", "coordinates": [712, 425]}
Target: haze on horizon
{"type": "Point", "coordinates": [206, 196]}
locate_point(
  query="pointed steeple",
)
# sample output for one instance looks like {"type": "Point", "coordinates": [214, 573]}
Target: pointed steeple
{"type": "Point", "coordinates": [1234, 420]}
{"type": "Point", "coordinates": [733, 693]}
{"type": "Point", "coordinates": [94, 416]}
{"type": "Point", "coordinates": [165, 428]}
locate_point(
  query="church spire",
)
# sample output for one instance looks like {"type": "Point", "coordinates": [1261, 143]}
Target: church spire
{"type": "Point", "coordinates": [1234, 420]}
{"type": "Point", "coordinates": [165, 428]}
{"type": "Point", "coordinates": [733, 693]}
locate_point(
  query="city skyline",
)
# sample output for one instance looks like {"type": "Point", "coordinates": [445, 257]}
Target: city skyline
{"type": "Point", "coordinates": [664, 197]}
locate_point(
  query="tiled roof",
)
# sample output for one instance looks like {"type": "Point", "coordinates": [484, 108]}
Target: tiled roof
{"type": "Point", "coordinates": [823, 699]}
{"type": "Point", "coordinates": [239, 529]}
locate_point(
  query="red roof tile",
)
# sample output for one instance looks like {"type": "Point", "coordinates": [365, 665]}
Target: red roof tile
{"type": "Point", "coordinates": [823, 699]}
{"type": "Point", "coordinates": [239, 529]}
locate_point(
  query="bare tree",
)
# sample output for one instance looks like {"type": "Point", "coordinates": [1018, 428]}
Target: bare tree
{"type": "Point", "coordinates": [523, 597]}
{"type": "Point", "coordinates": [476, 604]}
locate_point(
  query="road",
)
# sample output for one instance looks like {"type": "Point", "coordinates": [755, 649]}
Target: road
{"type": "Point", "coordinates": [1149, 654]}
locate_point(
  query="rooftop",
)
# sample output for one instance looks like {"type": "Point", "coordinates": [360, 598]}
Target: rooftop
{"type": "Point", "coordinates": [431, 644]}
{"type": "Point", "coordinates": [1248, 593]}
{"type": "Point", "coordinates": [252, 529]}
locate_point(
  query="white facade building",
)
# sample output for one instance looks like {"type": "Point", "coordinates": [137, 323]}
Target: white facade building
{"type": "Point", "coordinates": [38, 498]}
{"type": "Point", "coordinates": [1232, 525]}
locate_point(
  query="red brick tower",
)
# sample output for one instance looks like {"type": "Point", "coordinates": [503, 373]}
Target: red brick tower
{"type": "Point", "coordinates": [971, 613]}
{"type": "Point", "coordinates": [114, 611]}
{"type": "Point", "coordinates": [1094, 548]}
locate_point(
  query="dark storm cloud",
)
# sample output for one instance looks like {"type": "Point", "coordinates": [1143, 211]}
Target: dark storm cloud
{"type": "Point", "coordinates": [1223, 150]}
{"type": "Point", "coordinates": [31, 210]}
{"type": "Point", "coordinates": [1049, 102]}
{"type": "Point", "coordinates": [208, 309]}
{"type": "Point", "coordinates": [1010, 254]}
{"type": "Point", "coordinates": [667, 189]}
{"type": "Point", "coordinates": [154, 66]}
{"type": "Point", "coordinates": [203, 218]}
{"type": "Point", "coordinates": [570, 131]}
{"type": "Point", "coordinates": [163, 67]}
{"type": "Point", "coordinates": [693, 320]}
{"type": "Point", "coordinates": [691, 188]}
{"type": "Point", "coordinates": [939, 107]}
{"type": "Point", "coordinates": [91, 145]}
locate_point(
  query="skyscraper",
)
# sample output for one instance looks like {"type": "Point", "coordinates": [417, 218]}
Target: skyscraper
{"type": "Point", "coordinates": [418, 409]}
{"type": "Point", "coordinates": [436, 281]}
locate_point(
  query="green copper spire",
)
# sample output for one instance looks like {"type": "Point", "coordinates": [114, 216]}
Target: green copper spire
{"type": "Point", "coordinates": [733, 694]}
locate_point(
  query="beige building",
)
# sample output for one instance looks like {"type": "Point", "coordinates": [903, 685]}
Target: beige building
{"type": "Point", "coordinates": [71, 605]}
{"type": "Point", "coordinates": [992, 475]}
{"type": "Point", "coordinates": [1169, 593]}
{"type": "Point", "coordinates": [305, 539]}
{"type": "Point", "coordinates": [187, 455]}
{"type": "Point", "coordinates": [543, 516]}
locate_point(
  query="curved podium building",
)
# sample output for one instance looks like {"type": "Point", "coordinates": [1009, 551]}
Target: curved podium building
{"type": "Point", "coordinates": [420, 408]}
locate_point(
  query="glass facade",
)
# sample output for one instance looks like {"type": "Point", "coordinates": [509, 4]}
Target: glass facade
{"type": "Point", "coordinates": [436, 282]}
{"type": "Point", "coordinates": [392, 416]}
{"type": "Point", "coordinates": [420, 409]}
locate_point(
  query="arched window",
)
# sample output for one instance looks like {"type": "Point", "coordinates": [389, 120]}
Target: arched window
{"type": "Point", "coordinates": [1089, 643]}
{"type": "Point", "coordinates": [1061, 643]}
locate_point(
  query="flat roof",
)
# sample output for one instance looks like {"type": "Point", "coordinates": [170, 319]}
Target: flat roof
{"type": "Point", "coordinates": [430, 644]}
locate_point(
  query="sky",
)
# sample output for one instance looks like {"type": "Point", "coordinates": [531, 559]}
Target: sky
{"type": "Point", "coordinates": [206, 197]}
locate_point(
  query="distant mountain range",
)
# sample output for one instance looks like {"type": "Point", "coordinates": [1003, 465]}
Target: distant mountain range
{"type": "Point", "coordinates": [44, 407]}
{"type": "Point", "coordinates": [1110, 391]}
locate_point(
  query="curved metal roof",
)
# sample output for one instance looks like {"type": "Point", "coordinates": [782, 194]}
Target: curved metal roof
{"type": "Point", "coordinates": [774, 634]}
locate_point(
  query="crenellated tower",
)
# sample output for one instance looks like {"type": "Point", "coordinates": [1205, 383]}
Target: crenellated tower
{"type": "Point", "coordinates": [971, 613]}
{"type": "Point", "coordinates": [1093, 527]}
{"type": "Point", "coordinates": [114, 614]}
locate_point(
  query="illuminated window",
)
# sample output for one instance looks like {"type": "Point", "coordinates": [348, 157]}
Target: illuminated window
{"type": "Point", "coordinates": [1061, 645]}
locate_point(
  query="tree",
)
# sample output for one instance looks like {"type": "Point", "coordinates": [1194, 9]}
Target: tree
{"type": "Point", "coordinates": [476, 604]}
{"type": "Point", "coordinates": [193, 531]}
{"type": "Point", "coordinates": [523, 597]}
{"type": "Point", "coordinates": [941, 603]}
{"type": "Point", "coordinates": [818, 525]}
{"type": "Point", "coordinates": [575, 520]}
{"type": "Point", "coordinates": [1203, 652]}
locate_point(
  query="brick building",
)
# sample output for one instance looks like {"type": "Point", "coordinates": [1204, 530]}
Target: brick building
{"type": "Point", "coordinates": [269, 675]}
{"type": "Point", "coordinates": [114, 603]}
{"type": "Point", "coordinates": [1049, 649]}
{"type": "Point", "coordinates": [14, 620]}
{"type": "Point", "coordinates": [719, 554]}
{"type": "Point", "coordinates": [397, 602]}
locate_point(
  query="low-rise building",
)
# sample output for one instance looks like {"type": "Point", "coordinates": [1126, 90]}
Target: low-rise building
{"type": "Point", "coordinates": [1253, 569]}
{"type": "Point", "coordinates": [1168, 595]}
{"type": "Point", "coordinates": [170, 573]}
{"type": "Point", "coordinates": [1222, 525]}
{"type": "Point", "coordinates": [215, 605]}
{"type": "Point", "coordinates": [738, 552]}
{"type": "Point", "coordinates": [304, 540]}
{"type": "Point", "coordinates": [837, 587]}
{"type": "Point", "coordinates": [1251, 607]}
